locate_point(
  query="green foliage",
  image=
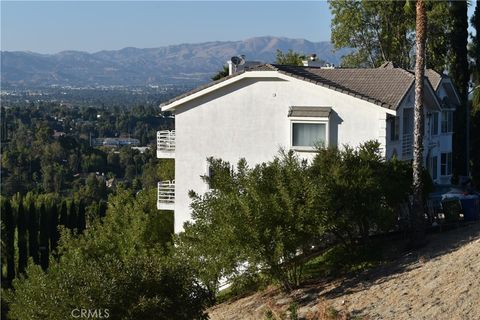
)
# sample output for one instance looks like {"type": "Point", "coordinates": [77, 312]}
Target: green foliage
{"type": "Point", "coordinates": [22, 242]}
{"type": "Point", "coordinates": [289, 58]}
{"type": "Point", "coordinates": [8, 239]}
{"type": "Point", "coordinates": [33, 232]}
{"type": "Point", "coordinates": [44, 236]}
{"type": "Point", "coordinates": [267, 219]}
{"type": "Point", "coordinates": [382, 31]}
{"type": "Point", "coordinates": [474, 53]}
{"type": "Point", "coordinates": [34, 159]}
{"type": "Point", "coordinates": [261, 217]}
{"type": "Point", "coordinates": [460, 75]}
{"type": "Point", "coordinates": [54, 233]}
{"type": "Point", "coordinates": [119, 263]}
{"type": "Point", "coordinates": [354, 190]}
{"type": "Point", "coordinates": [81, 218]}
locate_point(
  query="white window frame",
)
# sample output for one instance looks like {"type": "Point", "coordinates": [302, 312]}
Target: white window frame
{"type": "Point", "coordinates": [448, 168]}
{"type": "Point", "coordinates": [448, 123]}
{"type": "Point", "coordinates": [308, 120]}
{"type": "Point", "coordinates": [394, 129]}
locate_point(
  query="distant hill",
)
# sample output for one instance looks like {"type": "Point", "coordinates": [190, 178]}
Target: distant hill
{"type": "Point", "coordinates": [188, 64]}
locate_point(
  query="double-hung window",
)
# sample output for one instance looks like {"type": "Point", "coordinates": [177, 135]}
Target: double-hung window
{"type": "Point", "coordinates": [309, 127]}
{"type": "Point", "coordinates": [308, 134]}
{"type": "Point", "coordinates": [434, 124]}
{"type": "Point", "coordinates": [447, 121]}
{"type": "Point", "coordinates": [394, 128]}
{"type": "Point", "coordinates": [446, 164]}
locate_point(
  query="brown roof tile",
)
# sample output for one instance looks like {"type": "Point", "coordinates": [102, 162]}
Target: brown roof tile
{"type": "Point", "coordinates": [385, 86]}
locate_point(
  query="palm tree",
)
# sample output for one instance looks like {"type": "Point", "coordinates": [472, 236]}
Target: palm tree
{"type": "Point", "coordinates": [418, 232]}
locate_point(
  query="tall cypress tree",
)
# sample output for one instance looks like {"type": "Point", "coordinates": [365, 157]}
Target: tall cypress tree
{"type": "Point", "coordinates": [460, 76]}
{"type": "Point", "coordinates": [44, 236]}
{"type": "Point", "coordinates": [9, 221]}
{"type": "Point", "coordinates": [54, 234]}
{"type": "Point", "coordinates": [33, 232]}
{"type": "Point", "coordinates": [22, 238]}
{"type": "Point", "coordinates": [81, 219]}
{"type": "Point", "coordinates": [102, 209]}
{"type": "Point", "coordinates": [475, 111]}
{"type": "Point", "coordinates": [72, 216]}
{"type": "Point", "coordinates": [64, 214]}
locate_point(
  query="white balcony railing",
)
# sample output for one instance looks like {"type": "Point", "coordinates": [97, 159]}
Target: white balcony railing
{"type": "Point", "coordinates": [166, 144]}
{"type": "Point", "coordinates": [166, 195]}
{"type": "Point", "coordinates": [407, 146]}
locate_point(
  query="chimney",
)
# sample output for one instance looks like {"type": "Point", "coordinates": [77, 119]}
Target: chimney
{"type": "Point", "coordinates": [230, 67]}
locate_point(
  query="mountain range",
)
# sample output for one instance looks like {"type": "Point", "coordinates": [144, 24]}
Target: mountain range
{"type": "Point", "coordinates": [186, 64]}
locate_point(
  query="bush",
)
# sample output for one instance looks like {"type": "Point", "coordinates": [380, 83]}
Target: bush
{"type": "Point", "coordinates": [119, 264]}
{"type": "Point", "coordinates": [357, 192]}
{"type": "Point", "coordinates": [261, 218]}
{"type": "Point", "coordinates": [269, 218]}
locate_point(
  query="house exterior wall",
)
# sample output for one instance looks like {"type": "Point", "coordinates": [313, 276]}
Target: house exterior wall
{"type": "Point", "coordinates": [434, 144]}
{"type": "Point", "coordinates": [249, 119]}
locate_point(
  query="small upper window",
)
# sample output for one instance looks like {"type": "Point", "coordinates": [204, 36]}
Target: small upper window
{"type": "Point", "coordinates": [434, 124]}
{"type": "Point", "coordinates": [309, 134]}
{"type": "Point", "coordinates": [447, 121]}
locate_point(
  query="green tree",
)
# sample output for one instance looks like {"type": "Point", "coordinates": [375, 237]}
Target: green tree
{"type": "Point", "coordinates": [8, 237]}
{"type": "Point", "coordinates": [81, 218]}
{"type": "Point", "coordinates": [261, 216]}
{"type": "Point", "coordinates": [22, 241]}
{"type": "Point", "coordinates": [54, 233]}
{"type": "Point", "coordinates": [289, 58]}
{"type": "Point", "coordinates": [357, 192]}
{"type": "Point", "coordinates": [475, 107]}
{"type": "Point", "coordinates": [459, 73]}
{"type": "Point", "coordinates": [72, 216]}
{"type": "Point", "coordinates": [380, 31]}
{"type": "Point", "coordinates": [33, 232]}
{"type": "Point", "coordinates": [126, 272]}
{"type": "Point", "coordinates": [64, 214]}
{"type": "Point", "coordinates": [44, 237]}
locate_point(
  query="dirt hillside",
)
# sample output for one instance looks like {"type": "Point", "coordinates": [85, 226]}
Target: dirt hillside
{"type": "Point", "coordinates": [440, 281]}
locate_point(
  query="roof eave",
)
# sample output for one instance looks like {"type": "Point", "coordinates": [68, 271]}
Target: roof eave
{"type": "Point", "coordinates": [173, 104]}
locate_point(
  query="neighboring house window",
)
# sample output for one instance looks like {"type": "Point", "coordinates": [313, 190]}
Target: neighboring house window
{"type": "Point", "coordinates": [447, 121]}
{"type": "Point", "coordinates": [434, 168]}
{"type": "Point", "coordinates": [434, 124]}
{"type": "Point", "coordinates": [309, 134]}
{"type": "Point", "coordinates": [394, 128]}
{"type": "Point", "coordinates": [446, 164]}
{"type": "Point", "coordinates": [408, 121]}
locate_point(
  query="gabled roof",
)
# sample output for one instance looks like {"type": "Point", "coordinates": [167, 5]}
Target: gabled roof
{"type": "Point", "coordinates": [434, 77]}
{"type": "Point", "coordinates": [385, 86]}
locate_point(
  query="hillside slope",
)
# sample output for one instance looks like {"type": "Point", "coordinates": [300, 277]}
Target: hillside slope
{"type": "Point", "coordinates": [441, 282]}
{"type": "Point", "coordinates": [188, 64]}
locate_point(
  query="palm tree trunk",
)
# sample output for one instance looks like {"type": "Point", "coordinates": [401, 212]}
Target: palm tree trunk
{"type": "Point", "coordinates": [418, 232]}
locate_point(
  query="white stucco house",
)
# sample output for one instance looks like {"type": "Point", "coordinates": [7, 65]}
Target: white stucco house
{"type": "Point", "coordinates": [254, 113]}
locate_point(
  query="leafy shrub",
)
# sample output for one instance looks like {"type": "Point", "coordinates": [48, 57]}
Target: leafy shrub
{"type": "Point", "coordinates": [269, 218]}
{"type": "Point", "coordinates": [118, 264]}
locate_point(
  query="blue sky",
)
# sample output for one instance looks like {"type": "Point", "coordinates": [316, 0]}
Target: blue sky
{"type": "Point", "coordinates": [49, 27]}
